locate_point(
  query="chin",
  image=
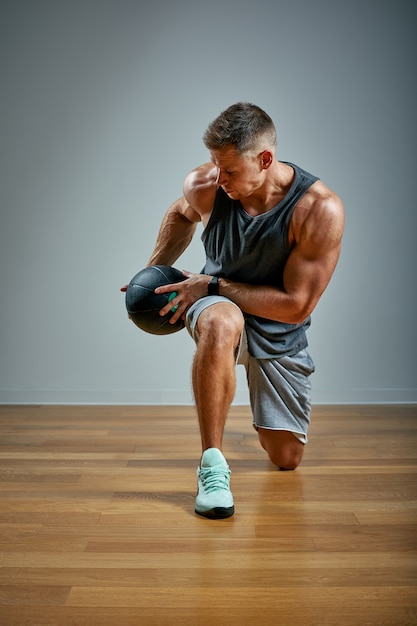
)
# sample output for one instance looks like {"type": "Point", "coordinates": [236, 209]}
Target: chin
{"type": "Point", "coordinates": [233, 194]}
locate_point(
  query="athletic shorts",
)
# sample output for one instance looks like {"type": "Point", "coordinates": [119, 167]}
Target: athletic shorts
{"type": "Point", "coordinates": [279, 388]}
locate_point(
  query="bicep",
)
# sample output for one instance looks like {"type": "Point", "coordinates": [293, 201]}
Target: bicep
{"type": "Point", "coordinates": [307, 275]}
{"type": "Point", "coordinates": [311, 264]}
{"type": "Point", "coordinates": [183, 210]}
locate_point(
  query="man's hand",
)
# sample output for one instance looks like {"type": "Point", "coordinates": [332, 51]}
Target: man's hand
{"type": "Point", "coordinates": [188, 291]}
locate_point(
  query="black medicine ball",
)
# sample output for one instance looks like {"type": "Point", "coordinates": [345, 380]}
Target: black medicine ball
{"type": "Point", "coordinates": [143, 304]}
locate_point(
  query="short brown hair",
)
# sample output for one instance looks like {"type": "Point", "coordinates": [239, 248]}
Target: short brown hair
{"type": "Point", "coordinates": [243, 125]}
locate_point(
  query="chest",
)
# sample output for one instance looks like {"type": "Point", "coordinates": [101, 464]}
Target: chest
{"type": "Point", "coordinates": [248, 249]}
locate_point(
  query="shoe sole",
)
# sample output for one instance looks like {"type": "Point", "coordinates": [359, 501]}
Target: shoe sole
{"type": "Point", "coordinates": [219, 512]}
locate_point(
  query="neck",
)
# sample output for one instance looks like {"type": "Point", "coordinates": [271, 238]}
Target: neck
{"type": "Point", "coordinates": [275, 187]}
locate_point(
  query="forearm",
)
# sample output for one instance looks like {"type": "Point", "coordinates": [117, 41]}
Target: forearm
{"type": "Point", "coordinates": [265, 301]}
{"type": "Point", "coordinates": [175, 234]}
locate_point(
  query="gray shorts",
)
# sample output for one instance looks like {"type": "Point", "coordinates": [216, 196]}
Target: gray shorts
{"type": "Point", "coordinates": [279, 388]}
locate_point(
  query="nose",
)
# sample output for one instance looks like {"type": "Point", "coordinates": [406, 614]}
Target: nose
{"type": "Point", "coordinates": [221, 179]}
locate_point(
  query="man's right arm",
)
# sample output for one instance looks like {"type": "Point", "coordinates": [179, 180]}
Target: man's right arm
{"type": "Point", "coordinates": [180, 221]}
{"type": "Point", "coordinates": [175, 233]}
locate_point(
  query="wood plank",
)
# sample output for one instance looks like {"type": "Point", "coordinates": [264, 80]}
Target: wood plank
{"type": "Point", "coordinates": [33, 595]}
{"type": "Point", "coordinates": [272, 561]}
{"type": "Point", "coordinates": [274, 597]}
{"type": "Point", "coordinates": [402, 572]}
{"type": "Point", "coordinates": [300, 615]}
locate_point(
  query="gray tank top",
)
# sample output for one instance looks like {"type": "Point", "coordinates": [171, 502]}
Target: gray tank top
{"type": "Point", "coordinates": [254, 250]}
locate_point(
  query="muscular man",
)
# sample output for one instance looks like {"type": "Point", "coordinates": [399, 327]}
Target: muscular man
{"type": "Point", "coordinates": [272, 236]}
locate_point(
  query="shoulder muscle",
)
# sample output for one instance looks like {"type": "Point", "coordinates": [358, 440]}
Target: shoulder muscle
{"type": "Point", "coordinates": [200, 189]}
{"type": "Point", "coordinates": [318, 218]}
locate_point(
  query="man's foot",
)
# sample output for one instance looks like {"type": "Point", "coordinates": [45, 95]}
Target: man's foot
{"type": "Point", "coordinates": [214, 498]}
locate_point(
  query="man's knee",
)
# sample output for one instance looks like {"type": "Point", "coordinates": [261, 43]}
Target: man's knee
{"type": "Point", "coordinates": [283, 448]}
{"type": "Point", "coordinates": [220, 322]}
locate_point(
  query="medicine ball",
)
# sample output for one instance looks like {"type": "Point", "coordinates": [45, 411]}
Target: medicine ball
{"type": "Point", "coordinates": [143, 304]}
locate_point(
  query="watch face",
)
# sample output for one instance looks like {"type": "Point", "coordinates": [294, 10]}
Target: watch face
{"type": "Point", "coordinates": [213, 287]}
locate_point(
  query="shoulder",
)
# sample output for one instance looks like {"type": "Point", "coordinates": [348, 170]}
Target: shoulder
{"type": "Point", "coordinates": [328, 209]}
{"type": "Point", "coordinates": [319, 213]}
{"type": "Point", "coordinates": [200, 188]}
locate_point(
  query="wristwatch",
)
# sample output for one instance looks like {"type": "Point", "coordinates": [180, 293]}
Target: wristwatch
{"type": "Point", "coordinates": [213, 287]}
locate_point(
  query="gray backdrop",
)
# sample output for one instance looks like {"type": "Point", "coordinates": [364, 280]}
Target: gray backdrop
{"type": "Point", "coordinates": [103, 107]}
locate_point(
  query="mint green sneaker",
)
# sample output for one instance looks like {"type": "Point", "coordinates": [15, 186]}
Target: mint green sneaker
{"type": "Point", "coordinates": [214, 498]}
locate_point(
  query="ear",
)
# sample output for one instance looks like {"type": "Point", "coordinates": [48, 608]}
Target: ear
{"type": "Point", "coordinates": [266, 159]}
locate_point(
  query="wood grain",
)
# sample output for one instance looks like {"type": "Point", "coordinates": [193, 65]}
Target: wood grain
{"type": "Point", "coordinates": [97, 523]}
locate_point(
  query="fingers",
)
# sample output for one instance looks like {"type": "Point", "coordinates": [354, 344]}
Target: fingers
{"type": "Point", "coordinates": [168, 288]}
{"type": "Point", "coordinates": [175, 307]}
{"type": "Point", "coordinates": [174, 286]}
{"type": "Point", "coordinates": [181, 299]}
{"type": "Point", "coordinates": [186, 293]}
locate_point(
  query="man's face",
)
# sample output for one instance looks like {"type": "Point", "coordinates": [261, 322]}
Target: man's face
{"type": "Point", "coordinates": [238, 175]}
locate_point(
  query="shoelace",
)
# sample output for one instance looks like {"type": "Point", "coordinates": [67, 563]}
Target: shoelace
{"type": "Point", "coordinates": [214, 478]}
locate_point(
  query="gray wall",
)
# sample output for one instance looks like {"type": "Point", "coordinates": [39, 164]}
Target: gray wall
{"type": "Point", "coordinates": [103, 107]}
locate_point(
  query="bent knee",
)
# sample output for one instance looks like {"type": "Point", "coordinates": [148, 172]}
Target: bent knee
{"type": "Point", "coordinates": [287, 460]}
{"type": "Point", "coordinates": [220, 321]}
{"type": "Point", "coordinates": [283, 448]}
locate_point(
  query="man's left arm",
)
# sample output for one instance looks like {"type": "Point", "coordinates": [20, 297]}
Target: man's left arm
{"type": "Point", "coordinates": [309, 268]}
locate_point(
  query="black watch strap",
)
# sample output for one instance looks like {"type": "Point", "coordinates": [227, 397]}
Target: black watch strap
{"type": "Point", "coordinates": [213, 287]}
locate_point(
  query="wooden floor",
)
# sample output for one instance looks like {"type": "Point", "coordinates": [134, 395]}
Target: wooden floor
{"type": "Point", "coordinates": [98, 527]}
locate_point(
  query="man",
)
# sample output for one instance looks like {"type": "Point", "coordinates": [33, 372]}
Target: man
{"type": "Point", "coordinates": [272, 237]}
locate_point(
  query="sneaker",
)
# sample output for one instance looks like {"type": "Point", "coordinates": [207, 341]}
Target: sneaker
{"type": "Point", "coordinates": [214, 498]}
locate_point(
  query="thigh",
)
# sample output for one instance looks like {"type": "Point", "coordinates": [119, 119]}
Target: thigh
{"type": "Point", "coordinates": [280, 393]}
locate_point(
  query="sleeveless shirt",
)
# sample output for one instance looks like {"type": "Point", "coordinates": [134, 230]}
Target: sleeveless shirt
{"type": "Point", "coordinates": [254, 250]}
